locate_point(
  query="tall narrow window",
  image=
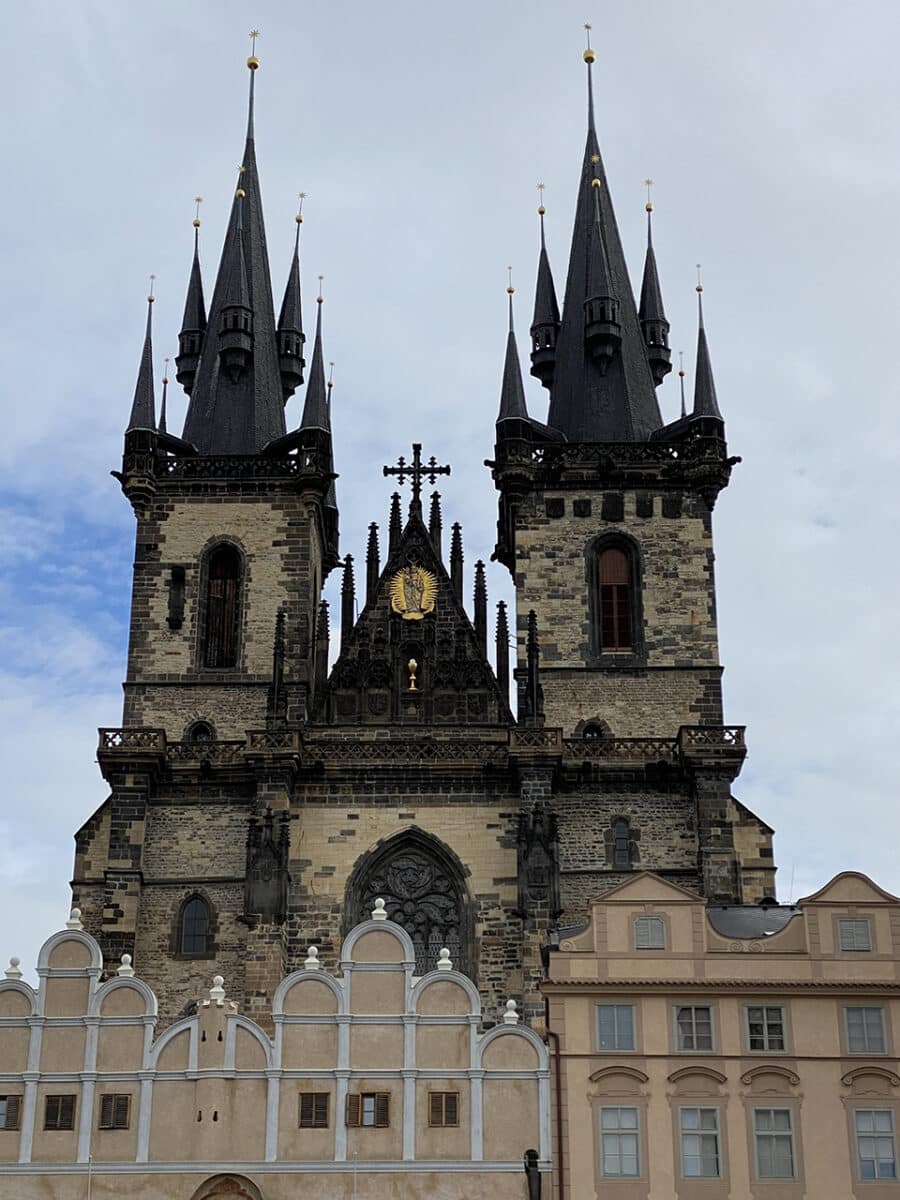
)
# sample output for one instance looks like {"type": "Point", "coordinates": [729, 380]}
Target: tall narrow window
{"type": "Point", "coordinates": [222, 608]}
{"type": "Point", "coordinates": [875, 1150]}
{"type": "Point", "coordinates": [621, 843]}
{"type": "Point", "coordinates": [195, 927]}
{"type": "Point", "coordinates": [616, 599]}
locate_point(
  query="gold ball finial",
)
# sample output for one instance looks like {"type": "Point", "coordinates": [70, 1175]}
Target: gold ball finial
{"type": "Point", "coordinates": [198, 200]}
{"type": "Point", "coordinates": [699, 287]}
{"type": "Point", "coordinates": [301, 196]}
{"type": "Point", "coordinates": [330, 376]}
{"type": "Point", "coordinates": [253, 61]}
{"type": "Point", "coordinates": [648, 184]}
{"type": "Point", "coordinates": [150, 296]}
{"type": "Point", "coordinates": [510, 290]}
{"type": "Point", "coordinates": [240, 193]}
{"type": "Point", "coordinates": [320, 298]}
{"type": "Point", "coordinates": [541, 209]}
{"type": "Point", "coordinates": [595, 183]}
{"type": "Point", "coordinates": [589, 55]}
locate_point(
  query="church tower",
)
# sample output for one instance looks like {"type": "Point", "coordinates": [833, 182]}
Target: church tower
{"type": "Point", "coordinates": [272, 786]}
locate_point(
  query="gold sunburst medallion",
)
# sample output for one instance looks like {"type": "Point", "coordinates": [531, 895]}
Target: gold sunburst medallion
{"type": "Point", "coordinates": [413, 592]}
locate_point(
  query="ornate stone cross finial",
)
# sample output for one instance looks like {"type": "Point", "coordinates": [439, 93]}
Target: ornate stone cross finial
{"type": "Point", "coordinates": [416, 471]}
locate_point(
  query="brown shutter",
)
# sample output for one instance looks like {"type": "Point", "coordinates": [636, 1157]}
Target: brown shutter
{"type": "Point", "coordinates": [12, 1112]}
{"type": "Point", "coordinates": [106, 1111]}
{"type": "Point", "coordinates": [306, 1109]}
{"type": "Point", "coordinates": [353, 1106]}
{"type": "Point", "coordinates": [66, 1112]}
{"type": "Point", "coordinates": [436, 1108]}
{"type": "Point", "coordinates": [121, 1106]}
{"type": "Point", "coordinates": [320, 1114]}
{"type": "Point", "coordinates": [382, 1109]}
{"type": "Point", "coordinates": [451, 1108]}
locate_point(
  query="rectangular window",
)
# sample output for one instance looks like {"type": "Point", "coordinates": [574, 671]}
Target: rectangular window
{"type": "Point", "coordinates": [443, 1108]}
{"type": "Point", "coordinates": [875, 1152]}
{"type": "Point", "coordinates": [649, 933]}
{"type": "Point", "coordinates": [865, 1030]}
{"type": "Point", "coordinates": [115, 1109]}
{"type": "Point", "coordinates": [774, 1133]}
{"type": "Point", "coordinates": [765, 1027]}
{"type": "Point", "coordinates": [313, 1110]}
{"type": "Point", "coordinates": [369, 1109]}
{"type": "Point", "coordinates": [693, 1027]}
{"type": "Point", "coordinates": [615, 1026]}
{"type": "Point", "coordinates": [700, 1158]}
{"type": "Point", "coordinates": [854, 934]}
{"type": "Point", "coordinates": [9, 1112]}
{"type": "Point", "coordinates": [620, 1143]}
{"type": "Point", "coordinates": [59, 1112]}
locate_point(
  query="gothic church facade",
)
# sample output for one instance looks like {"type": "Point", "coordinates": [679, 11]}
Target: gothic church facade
{"type": "Point", "coordinates": [267, 786]}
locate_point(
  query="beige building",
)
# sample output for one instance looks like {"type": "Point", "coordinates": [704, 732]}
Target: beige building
{"type": "Point", "coordinates": [742, 1051]}
{"type": "Point", "coordinates": [375, 1084]}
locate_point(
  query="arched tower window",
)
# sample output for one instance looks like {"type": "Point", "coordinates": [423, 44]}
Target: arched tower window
{"type": "Point", "coordinates": [200, 732]}
{"type": "Point", "coordinates": [194, 932]}
{"type": "Point", "coordinates": [621, 843]}
{"type": "Point", "coordinates": [616, 600]}
{"type": "Point", "coordinates": [423, 891]}
{"type": "Point", "coordinates": [222, 616]}
{"type": "Point", "coordinates": [615, 589]}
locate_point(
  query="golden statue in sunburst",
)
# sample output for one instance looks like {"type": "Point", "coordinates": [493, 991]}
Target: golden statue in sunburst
{"type": "Point", "coordinates": [413, 592]}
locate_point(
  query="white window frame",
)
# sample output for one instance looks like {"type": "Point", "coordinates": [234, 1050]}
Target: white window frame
{"type": "Point", "coordinates": [648, 922]}
{"type": "Point", "coordinates": [857, 930]}
{"type": "Point", "coordinates": [766, 1048]}
{"type": "Point", "coordinates": [700, 1132]}
{"type": "Point", "coordinates": [619, 1133]}
{"type": "Point", "coordinates": [866, 1049]}
{"type": "Point", "coordinates": [875, 1134]}
{"type": "Point", "coordinates": [776, 1136]}
{"type": "Point", "coordinates": [617, 1048]}
{"type": "Point", "coordinates": [711, 1048]}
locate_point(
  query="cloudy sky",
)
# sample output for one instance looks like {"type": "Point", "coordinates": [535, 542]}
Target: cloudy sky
{"type": "Point", "coordinates": [420, 133]}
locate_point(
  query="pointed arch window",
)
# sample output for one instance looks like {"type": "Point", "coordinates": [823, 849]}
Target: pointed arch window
{"type": "Point", "coordinates": [222, 617]}
{"type": "Point", "coordinates": [423, 891]}
{"type": "Point", "coordinates": [194, 933]}
{"type": "Point", "coordinates": [615, 588]}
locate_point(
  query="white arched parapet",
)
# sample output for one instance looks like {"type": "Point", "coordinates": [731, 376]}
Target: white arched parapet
{"type": "Point", "coordinates": [447, 977]}
{"type": "Point", "coordinates": [241, 1022]}
{"type": "Point", "coordinates": [409, 953]}
{"type": "Point", "coordinates": [520, 1031]}
{"type": "Point", "coordinates": [25, 989]}
{"type": "Point", "coordinates": [319, 976]}
{"type": "Point", "coordinates": [71, 935]}
{"type": "Point", "coordinates": [186, 1023]}
{"type": "Point", "coordinates": [112, 985]}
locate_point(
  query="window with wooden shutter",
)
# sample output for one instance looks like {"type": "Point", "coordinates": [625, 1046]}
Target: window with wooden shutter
{"type": "Point", "coordinates": [59, 1112]}
{"type": "Point", "coordinates": [115, 1110]}
{"type": "Point", "coordinates": [353, 1109]}
{"type": "Point", "coordinates": [9, 1111]}
{"type": "Point", "coordinates": [382, 1109]}
{"type": "Point", "coordinates": [314, 1110]}
{"type": "Point", "coordinates": [222, 617]}
{"type": "Point", "coordinates": [443, 1108]}
{"type": "Point", "coordinates": [369, 1109]}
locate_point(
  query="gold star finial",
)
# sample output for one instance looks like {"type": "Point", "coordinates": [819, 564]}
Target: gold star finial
{"type": "Point", "coordinates": [510, 290]}
{"type": "Point", "coordinates": [330, 376]}
{"type": "Point", "coordinates": [166, 370]}
{"type": "Point", "coordinates": [301, 196]}
{"type": "Point", "coordinates": [648, 184]}
{"type": "Point", "coordinates": [320, 297]}
{"type": "Point", "coordinates": [681, 363]}
{"type": "Point", "coordinates": [253, 61]}
{"type": "Point", "coordinates": [589, 54]}
{"type": "Point", "coordinates": [541, 209]}
{"type": "Point", "coordinates": [151, 297]}
{"type": "Point", "coordinates": [699, 287]}
{"type": "Point", "coordinates": [198, 200]}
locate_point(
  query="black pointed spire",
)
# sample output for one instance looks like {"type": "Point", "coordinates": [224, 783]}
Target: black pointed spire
{"type": "Point", "coordinates": [512, 391]}
{"type": "Point", "coordinates": [545, 326]}
{"type": "Point", "coordinates": [435, 523]}
{"type": "Point", "coordinates": [607, 399]}
{"type": "Point", "coordinates": [652, 315]}
{"type": "Point", "coordinates": [373, 566]}
{"type": "Point", "coordinates": [602, 328]}
{"type": "Point", "coordinates": [456, 561]}
{"type": "Point", "coordinates": [315, 408]}
{"type": "Point", "coordinates": [480, 607]}
{"type": "Point", "coordinates": [348, 601]}
{"type": "Point", "coordinates": [395, 524]}
{"type": "Point", "coordinates": [331, 504]}
{"type": "Point", "coordinates": [162, 403]}
{"type": "Point", "coordinates": [533, 698]}
{"type": "Point", "coordinates": [276, 709]}
{"type": "Point", "coordinates": [321, 662]}
{"type": "Point", "coordinates": [193, 322]}
{"type": "Point", "coordinates": [290, 323]}
{"type": "Point", "coordinates": [143, 408]}
{"type": "Point", "coordinates": [236, 404]}
{"type": "Point", "coordinates": [502, 651]}
{"type": "Point", "coordinates": [705, 402]}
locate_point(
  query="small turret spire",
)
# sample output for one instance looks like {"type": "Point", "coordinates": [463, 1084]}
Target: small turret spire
{"type": "Point", "coordinates": [681, 382]}
{"type": "Point", "coordinates": [348, 601]}
{"type": "Point", "coordinates": [435, 522]}
{"type": "Point", "coordinates": [480, 607]}
{"type": "Point", "coordinates": [533, 698]}
{"type": "Point", "coordinates": [512, 391]}
{"type": "Point", "coordinates": [654, 325]}
{"type": "Point", "coordinates": [143, 408]}
{"type": "Point", "coordinates": [545, 325]}
{"type": "Point", "coordinates": [290, 321]}
{"type": "Point", "coordinates": [602, 328]}
{"type": "Point", "coordinates": [456, 561]}
{"type": "Point", "coordinates": [193, 322]}
{"type": "Point", "coordinates": [315, 409]}
{"type": "Point", "coordinates": [395, 524]}
{"type": "Point", "coordinates": [373, 565]}
{"type": "Point", "coordinates": [705, 402]}
{"type": "Point", "coordinates": [502, 651]}
{"type": "Point", "coordinates": [321, 660]}
{"type": "Point", "coordinates": [162, 406]}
